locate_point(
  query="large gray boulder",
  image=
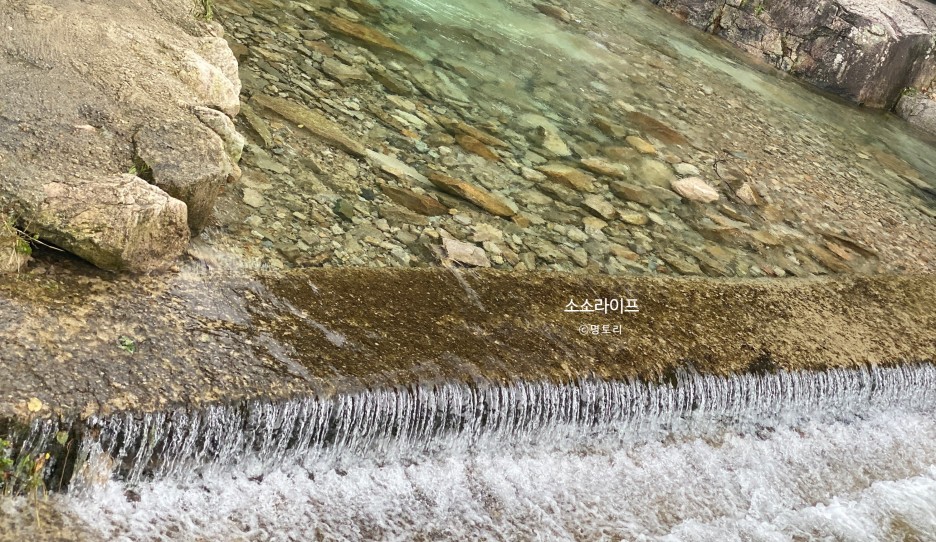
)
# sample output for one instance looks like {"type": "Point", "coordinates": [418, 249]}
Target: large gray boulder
{"type": "Point", "coordinates": [83, 84]}
{"type": "Point", "coordinates": [865, 50]}
{"type": "Point", "coordinates": [188, 161]}
{"type": "Point", "coordinates": [919, 110]}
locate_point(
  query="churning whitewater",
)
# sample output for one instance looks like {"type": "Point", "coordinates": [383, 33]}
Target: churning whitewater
{"type": "Point", "coordinates": [838, 455]}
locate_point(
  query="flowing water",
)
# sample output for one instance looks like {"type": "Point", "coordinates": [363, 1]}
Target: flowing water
{"type": "Point", "coordinates": [833, 455]}
{"type": "Point", "coordinates": [569, 94]}
{"type": "Point", "coordinates": [842, 454]}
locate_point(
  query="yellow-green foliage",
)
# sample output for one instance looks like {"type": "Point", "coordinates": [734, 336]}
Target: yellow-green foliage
{"type": "Point", "coordinates": [207, 9]}
{"type": "Point", "coordinates": [23, 474]}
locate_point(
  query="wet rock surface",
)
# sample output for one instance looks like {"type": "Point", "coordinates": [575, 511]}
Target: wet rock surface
{"type": "Point", "coordinates": [37, 519]}
{"type": "Point", "coordinates": [189, 163]}
{"type": "Point", "coordinates": [347, 174]}
{"type": "Point", "coordinates": [91, 345]}
{"type": "Point", "coordinates": [919, 110]}
{"type": "Point", "coordinates": [865, 50]}
{"type": "Point", "coordinates": [78, 82]}
{"type": "Point", "coordinates": [878, 54]}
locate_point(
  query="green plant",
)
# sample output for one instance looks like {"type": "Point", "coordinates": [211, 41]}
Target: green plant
{"type": "Point", "coordinates": [6, 465]}
{"type": "Point", "coordinates": [207, 10]}
{"type": "Point", "coordinates": [141, 169]}
{"type": "Point", "coordinates": [759, 9]}
{"type": "Point", "coordinates": [126, 344]}
{"type": "Point", "coordinates": [22, 474]}
{"type": "Point", "coordinates": [22, 247]}
{"type": "Point", "coordinates": [9, 233]}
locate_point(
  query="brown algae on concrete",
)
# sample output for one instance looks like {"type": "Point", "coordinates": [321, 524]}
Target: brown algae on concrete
{"type": "Point", "coordinates": [94, 345]}
{"type": "Point", "coordinates": [503, 326]}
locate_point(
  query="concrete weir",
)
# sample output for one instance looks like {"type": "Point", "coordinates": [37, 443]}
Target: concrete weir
{"type": "Point", "coordinates": [148, 378]}
{"type": "Point", "coordinates": [76, 347]}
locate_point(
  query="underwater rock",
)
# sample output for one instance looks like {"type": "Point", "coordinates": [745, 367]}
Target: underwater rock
{"type": "Point", "coordinates": [568, 176]}
{"type": "Point", "coordinates": [652, 172]}
{"type": "Point", "coordinates": [603, 167]}
{"type": "Point", "coordinates": [361, 33]}
{"type": "Point", "coordinates": [474, 146]}
{"type": "Point", "coordinates": [477, 195]}
{"type": "Point", "coordinates": [631, 192]}
{"type": "Point", "coordinates": [310, 120]}
{"type": "Point", "coordinates": [419, 203]}
{"type": "Point", "coordinates": [695, 189]}
{"type": "Point", "coordinates": [465, 253]}
{"type": "Point", "coordinates": [555, 12]}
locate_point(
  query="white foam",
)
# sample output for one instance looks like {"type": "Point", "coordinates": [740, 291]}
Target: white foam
{"type": "Point", "coordinates": [861, 479]}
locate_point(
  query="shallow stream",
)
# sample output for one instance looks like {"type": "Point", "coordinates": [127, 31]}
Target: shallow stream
{"type": "Point", "coordinates": [592, 121]}
{"type": "Point", "coordinates": [837, 455]}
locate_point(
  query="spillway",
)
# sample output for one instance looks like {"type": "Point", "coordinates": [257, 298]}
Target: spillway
{"type": "Point", "coordinates": [438, 405]}
{"type": "Point", "coordinates": [766, 457]}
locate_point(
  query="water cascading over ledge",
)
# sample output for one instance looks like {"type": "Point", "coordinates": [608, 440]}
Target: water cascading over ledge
{"type": "Point", "coordinates": [201, 369]}
{"type": "Point", "coordinates": [395, 424]}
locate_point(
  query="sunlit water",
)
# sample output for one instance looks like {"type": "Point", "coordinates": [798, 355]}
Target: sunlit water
{"type": "Point", "coordinates": [842, 455]}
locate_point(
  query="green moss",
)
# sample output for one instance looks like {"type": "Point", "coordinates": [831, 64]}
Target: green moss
{"type": "Point", "coordinates": [22, 247]}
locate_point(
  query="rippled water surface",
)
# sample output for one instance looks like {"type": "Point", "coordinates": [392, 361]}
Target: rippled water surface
{"type": "Point", "coordinates": [621, 92]}
{"type": "Point", "coordinates": [861, 479]}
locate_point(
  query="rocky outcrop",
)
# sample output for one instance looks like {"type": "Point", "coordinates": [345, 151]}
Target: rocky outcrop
{"type": "Point", "coordinates": [865, 50]}
{"type": "Point", "coordinates": [188, 161]}
{"type": "Point", "coordinates": [95, 97]}
{"type": "Point", "coordinates": [919, 110]}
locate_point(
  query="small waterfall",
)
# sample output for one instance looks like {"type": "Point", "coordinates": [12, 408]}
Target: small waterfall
{"type": "Point", "coordinates": [394, 423]}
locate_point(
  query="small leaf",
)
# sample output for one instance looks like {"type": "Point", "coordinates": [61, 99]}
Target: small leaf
{"type": "Point", "coordinates": [61, 437]}
{"type": "Point", "coordinates": [34, 405]}
{"type": "Point", "coordinates": [127, 344]}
